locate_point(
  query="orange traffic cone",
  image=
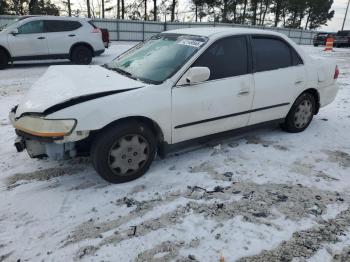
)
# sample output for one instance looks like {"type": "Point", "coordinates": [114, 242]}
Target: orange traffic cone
{"type": "Point", "coordinates": [329, 44]}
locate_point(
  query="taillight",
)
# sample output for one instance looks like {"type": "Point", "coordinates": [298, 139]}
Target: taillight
{"type": "Point", "coordinates": [96, 30]}
{"type": "Point", "coordinates": [336, 73]}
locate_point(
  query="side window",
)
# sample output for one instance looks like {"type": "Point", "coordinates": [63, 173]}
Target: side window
{"type": "Point", "coordinates": [61, 26]}
{"type": "Point", "coordinates": [296, 58]}
{"type": "Point", "coordinates": [225, 58]}
{"type": "Point", "coordinates": [33, 27]}
{"type": "Point", "coordinates": [270, 54]}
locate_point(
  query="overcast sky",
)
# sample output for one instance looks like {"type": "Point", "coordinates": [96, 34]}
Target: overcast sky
{"type": "Point", "coordinates": [335, 24]}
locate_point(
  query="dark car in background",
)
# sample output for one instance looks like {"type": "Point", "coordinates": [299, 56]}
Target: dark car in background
{"type": "Point", "coordinates": [342, 38]}
{"type": "Point", "coordinates": [105, 37]}
{"type": "Point", "coordinates": [321, 38]}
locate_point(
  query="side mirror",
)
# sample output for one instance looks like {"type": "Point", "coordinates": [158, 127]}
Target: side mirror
{"type": "Point", "coordinates": [197, 74]}
{"type": "Point", "coordinates": [14, 31]}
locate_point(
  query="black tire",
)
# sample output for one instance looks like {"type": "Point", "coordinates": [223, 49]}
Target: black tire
{"type": "Point", "coordinates": [110, 140]}
{"type": "Point", "coordinates": [315, 45]}
{"type": "Point", "coordinates": [4, 59]}
{"type": "Point", "coordinates": [297, 121]}
{"type": "Point", "coordinates": [81, 55]}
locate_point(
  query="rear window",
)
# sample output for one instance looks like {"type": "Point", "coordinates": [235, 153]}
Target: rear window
{"type": "Point", "coordinates": [61, 26]}
{"type": "Point", "coordinates": [272, 53]}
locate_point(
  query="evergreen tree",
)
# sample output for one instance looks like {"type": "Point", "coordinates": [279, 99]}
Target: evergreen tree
{"type": "Point", "coordinates": [318, 13]}
{"type": "Point", "coordinates": [4, 7]}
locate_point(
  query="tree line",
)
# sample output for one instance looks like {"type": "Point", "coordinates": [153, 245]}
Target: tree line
{"type": "Point", "coordinates": [306, 14]}
{"type": "Point", "coordinates": [309, 14]}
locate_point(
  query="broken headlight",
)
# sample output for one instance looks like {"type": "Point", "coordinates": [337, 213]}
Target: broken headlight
{"type": "Point", "coordinates": [39, 126]}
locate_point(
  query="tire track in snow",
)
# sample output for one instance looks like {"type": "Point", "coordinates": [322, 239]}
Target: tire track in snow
{"type": "Point", "coordinates": [305, 243]}
{"type": "Point", "coordinates": [257, 205]}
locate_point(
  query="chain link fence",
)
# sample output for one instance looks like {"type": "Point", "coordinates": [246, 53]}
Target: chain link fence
{"type": "Point", "coordinates": [128, 30]}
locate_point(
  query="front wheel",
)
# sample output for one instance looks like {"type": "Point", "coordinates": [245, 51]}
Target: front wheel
{"type": "Point", "coordinates": [123, 152]}
{"type": "Point", "coordinates": [301, 114]}
{"type": "Point", "coordinates": [4, 60]}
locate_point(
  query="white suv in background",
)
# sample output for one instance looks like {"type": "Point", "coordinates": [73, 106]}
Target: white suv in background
{"type": "Point", "coordinates": [50, 37]}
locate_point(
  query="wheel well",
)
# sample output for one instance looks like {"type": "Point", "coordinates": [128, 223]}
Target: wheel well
{"type": "Point", "coordinates": [6, 52]}
{"type": "Point", "coordinates": [141, 119]}
{"type": "Point", "coordinates": [316, 95]}
{"type": "Point", "coordinates": [83, 146]}
{"type": "Point", "coordinates": [80, 44]}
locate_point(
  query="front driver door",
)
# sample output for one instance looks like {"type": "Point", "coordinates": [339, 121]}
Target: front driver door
{"type": "Point", "coordinates": [223, 101]}
{"type": "Point", "coordinates": [30, 40]}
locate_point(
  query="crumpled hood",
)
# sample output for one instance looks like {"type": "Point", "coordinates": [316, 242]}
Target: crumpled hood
{"type": "Point", "coordinates": [62, 84]}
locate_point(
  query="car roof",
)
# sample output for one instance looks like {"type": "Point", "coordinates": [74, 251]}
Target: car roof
{"type": "Point", "coordinates": [52, 17]}
{"type": "Point", "coordinates": [211, 31]}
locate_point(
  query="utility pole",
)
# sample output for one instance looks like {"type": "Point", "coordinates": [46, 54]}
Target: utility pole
{"type": "Point", "coordinates": [346, 13]}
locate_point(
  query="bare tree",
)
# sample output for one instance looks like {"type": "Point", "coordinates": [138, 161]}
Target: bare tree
{"type": "Point", "coordinates": [69, 8]}
{"type": "Point", "coordinates": [88, 8]}
{"type": "Point", "coordinates": [118, 9]}
{"type": "Point", "coordinates": [267, 3]}
{"type": "Point", "coordinates": [154, 10]}
{"type": "Point", "coordinates": [244, 11]}
{"type": "Point", "coordinates": [173, 6]}
{"type": "Point", "coordinates": [145, 16]}
{"type": "Point", "coordinates": [123, 8]}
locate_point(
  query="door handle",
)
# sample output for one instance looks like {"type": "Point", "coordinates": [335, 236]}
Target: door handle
{"type": "Point", "coordinates": [41, 38]}
{"type": "Point", "coordinates": [71, 35]}
{"type": "Point", "coordinates": [299, 82]}
{"type": "Point", "coordinates": [243, 93]}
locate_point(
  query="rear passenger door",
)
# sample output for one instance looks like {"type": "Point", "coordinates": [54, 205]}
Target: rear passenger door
{"type": "Point", "coordinates": [61, 35]}
{"type": "Point", "coordinates": [279, 75]}
{"type": "Point", "coordinates": [223, 101]}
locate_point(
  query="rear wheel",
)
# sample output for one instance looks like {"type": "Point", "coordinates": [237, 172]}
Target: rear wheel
{"type": "Point", "coordinates": [81, 55]}
{"type": "Point", "coordinates": [124, 152]}
{"type": "Point", "coordinates": [4, 59]}
{"type": "Point", "coordinates": [301, 114]}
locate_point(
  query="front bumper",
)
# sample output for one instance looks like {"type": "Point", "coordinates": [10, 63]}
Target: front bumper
{"type": "Point", "coordinates": [39, 148]}
{"type": "Point", "coordinates": [53, 147]}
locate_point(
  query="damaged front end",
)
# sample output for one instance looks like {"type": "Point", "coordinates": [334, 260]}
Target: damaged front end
{"type": "Point", "coordinates": [43, 137]}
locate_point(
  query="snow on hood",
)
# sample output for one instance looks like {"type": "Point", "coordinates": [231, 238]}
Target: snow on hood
{"type": "Point", "coordinates": [63, 83]}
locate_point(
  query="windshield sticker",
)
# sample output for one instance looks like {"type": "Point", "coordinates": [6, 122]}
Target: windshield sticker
{"type": "Point", "coordinates": [190, 42]}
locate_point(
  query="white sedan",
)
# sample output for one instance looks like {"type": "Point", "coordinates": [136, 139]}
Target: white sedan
{"type": "Point", "coordinates": [178, 86]}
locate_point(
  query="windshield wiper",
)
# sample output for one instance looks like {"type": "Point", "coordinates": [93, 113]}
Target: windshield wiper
{"type": "Point", "coordinates": [130, 75]}
{"type": "Point", "coordinates": [120, 71]}
{"type": "Point", "coordinates": [123, 72]}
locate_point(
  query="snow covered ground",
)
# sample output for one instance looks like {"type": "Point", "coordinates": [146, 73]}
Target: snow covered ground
{"type": "Point", "coordinates": [264, 195]}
